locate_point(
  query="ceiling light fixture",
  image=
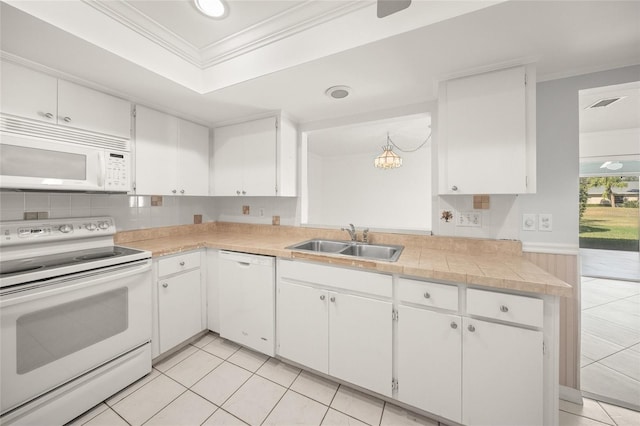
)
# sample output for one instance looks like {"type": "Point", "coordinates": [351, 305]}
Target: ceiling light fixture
{"type": "Point", "coordinates": [389, 159]}
{"type": "Point", "coordinates": [611, 165]}
{"type": "Point", "coordinates": [212, 8]}
{"type": "Point", "coordinates": [338, 92]}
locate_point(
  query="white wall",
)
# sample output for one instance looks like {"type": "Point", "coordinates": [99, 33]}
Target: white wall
{"type": "Point", "coordinates": [349, 189]}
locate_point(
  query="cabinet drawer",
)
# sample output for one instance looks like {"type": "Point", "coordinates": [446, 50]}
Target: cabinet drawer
{"type": "Point", "coordinates": [506, 307]}
{"type": "Point", "coordinates": [428, 294]}
{"type": "Point", "coordinates": [181, 262]}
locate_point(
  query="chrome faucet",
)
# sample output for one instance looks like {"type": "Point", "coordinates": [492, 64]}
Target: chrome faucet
{"type": "Point", "coordinates": [352, 232]}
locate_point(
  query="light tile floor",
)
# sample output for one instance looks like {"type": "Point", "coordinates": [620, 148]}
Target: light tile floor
{"type": "Point", "coordinates": [214, 382]}
{"type": "Point", "coordinates": [610, 361]}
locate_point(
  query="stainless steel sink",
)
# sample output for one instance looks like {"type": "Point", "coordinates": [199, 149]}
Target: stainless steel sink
{"type": "Point", "coordinates": [325, 246]}
{"type": "Point", "coordinates": [389, 253]}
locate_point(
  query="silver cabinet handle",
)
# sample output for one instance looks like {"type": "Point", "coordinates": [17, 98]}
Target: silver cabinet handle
{"type": "Point", "coordinates": [182, 191]}
{"type": "Point", "coordinates": [182, 263]}
{"type": "Point", "coordinates": [503, 308]}
{"type": "Point", "coordinates": [67, 119]}
{"type": "Point", "coordinates": [48, 115]}
{"type": "Point", "coordinates": [427, 295]}
{"type": "Point", "coordinates": [454, 325]}
{"type": "Point", "coordinates": [454, 188]}
{"type": "Point", "coordinates": [173, 191]}
{"type": "Point", "coordinates": [238, 192]}
{"type": "Point", "coordinates": [244, 192]}
{"type": "Point", "coordinates": [471, 328]}
{"type": "Point", "coordinates": [165, 285]}
{"type": "Point", "coordinates": [333, 298]}
{"type": "Point", "coordinates": [322, 297]}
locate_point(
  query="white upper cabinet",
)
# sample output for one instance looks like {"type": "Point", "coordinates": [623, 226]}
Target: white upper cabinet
{"type": "Point", "coordinates": [29, 94]}
{"type": "Point", "coordinates": [172, 155]}
{"type": "Point", "coordinates": [87, 109]}
{"type": "Point", "coordinates": [36, 96]}
{"type": "Point", "coordinates": [256, 158]}
{"type": "Point", "coordinates": [486, 131]}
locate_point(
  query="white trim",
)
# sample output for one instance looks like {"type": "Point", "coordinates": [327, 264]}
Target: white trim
{"type": "Point", "coordinates": [571, 395]}
{"type": "Point", "coordinates": [551, 248]}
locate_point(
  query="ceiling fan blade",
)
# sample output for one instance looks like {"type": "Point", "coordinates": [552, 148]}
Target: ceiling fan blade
{"type": "Point", "coordinates": [389, 7]}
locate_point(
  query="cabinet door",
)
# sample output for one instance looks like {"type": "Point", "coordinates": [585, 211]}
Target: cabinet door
{"type": "Point", "coordinates": [360, 342]}
{"type": "Point", "coordinates": [228, 162]}
{"type": "Point", "coordinates": [193, 159]}
{"type": "Point", "coordinates": [179, 308]}
{"type": "Point", "coordinates": [483, 129]}
{"type": "Point", "coordinates": [88, 109]}
{"type": "Point", "coordinates": [302, 325]}
{"type": "Point", "coordinates": [502, 374]}
{"type": "Point", "coordinates": [156, 150]}
{"type": "Point", "coordinates": [259, 178]}
{"type": "Point", "coordinates": [429, 361]}
{"type": "Point", "coordinates": [27, 93]}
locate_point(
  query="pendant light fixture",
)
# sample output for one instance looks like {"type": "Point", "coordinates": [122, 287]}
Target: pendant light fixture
{"type": "Point", "coordinates": [388, 159]}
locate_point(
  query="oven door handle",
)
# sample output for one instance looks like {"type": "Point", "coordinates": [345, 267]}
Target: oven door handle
{"type": "Point", "coordinates": [57, 286]}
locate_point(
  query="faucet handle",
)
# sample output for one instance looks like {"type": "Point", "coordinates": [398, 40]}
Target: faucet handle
{"type": "Point", "coordinates": [365, 235]}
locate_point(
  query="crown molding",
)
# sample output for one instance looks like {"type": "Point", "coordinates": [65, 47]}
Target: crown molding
{"type": "Point", "coordinates": [146, 27]}
{"type": "Point", "coordinates": [287, 23]}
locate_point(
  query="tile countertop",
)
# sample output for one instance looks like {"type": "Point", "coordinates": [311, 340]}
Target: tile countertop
{"type": "Point", "coordinates": [488, 263]}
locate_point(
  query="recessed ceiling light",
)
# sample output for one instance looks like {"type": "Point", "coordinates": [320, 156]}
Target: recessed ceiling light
{"type": "Point", "coordinates": [338, 92]}
{"type": "Point", "coordinates": [212, 8]}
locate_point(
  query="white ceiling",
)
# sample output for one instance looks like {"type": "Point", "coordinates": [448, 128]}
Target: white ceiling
{"type": "Point", "coordinates": [562, 37]}
{"type": "Point", "coordinates": [623, 114]}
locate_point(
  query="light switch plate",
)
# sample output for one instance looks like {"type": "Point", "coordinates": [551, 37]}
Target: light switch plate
{"type": "Point", "coordinates": [529, 222]}
{"type": "Point", "coordinates": [545, 222]}
{"type": "Point", "coordinates": [473, 219]}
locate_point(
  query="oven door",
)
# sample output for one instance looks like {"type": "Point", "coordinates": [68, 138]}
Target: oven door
{"type": "Point", "coordinates": [43, 164]}
{"type": "Point", "coordinates": [56, 330]}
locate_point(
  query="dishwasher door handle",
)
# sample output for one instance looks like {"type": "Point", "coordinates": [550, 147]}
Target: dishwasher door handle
{"type": "Point", "coordinates": [244, 263]}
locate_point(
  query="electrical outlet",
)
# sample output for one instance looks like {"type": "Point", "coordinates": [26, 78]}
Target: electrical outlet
{"type": "Point", "coordinates": [261, 211]}
{"type": "Point", "coordinates": [246, 209]}
{"type": "Point", "coordinates": [473, 219]}
{"type": "Point", "coordinates": [529, 222]}
{"type": "Point", "coordinates": [545, 222]}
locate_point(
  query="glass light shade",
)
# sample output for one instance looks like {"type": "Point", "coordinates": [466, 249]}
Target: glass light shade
{"type": "Point", "coordinates": [388, 159]}
{"type": "Point", "coordinates": [211, 8]}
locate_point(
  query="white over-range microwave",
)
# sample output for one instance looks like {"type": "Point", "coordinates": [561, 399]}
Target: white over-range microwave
{"type": "Point", "coordinates": [73, 162]}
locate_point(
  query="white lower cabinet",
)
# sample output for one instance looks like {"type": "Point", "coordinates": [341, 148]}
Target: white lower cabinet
{"type": "Point", "coordinates": [180, 300]}
{"type": "Point", "coordinates": [303, 326]}
{"type": "Point", "coordinates": [502, 370]}
{"type": "Point", "coordinates": [344, 335]}
{"type": "Point", "coordinates": [360, 341]}
{"type": "Point", "coordinates": [429, 361]}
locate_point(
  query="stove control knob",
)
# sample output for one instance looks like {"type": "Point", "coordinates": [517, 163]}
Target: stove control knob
{"type": "Point", "coordinates": [103, 225]}
{"type": "Point", "coordinates": [65, 229]}
{"type": "Point", "coordinates": [91, 226]}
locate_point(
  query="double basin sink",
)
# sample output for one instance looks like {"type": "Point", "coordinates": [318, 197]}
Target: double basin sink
{"type": "Point", "coordinates": [389, 253]}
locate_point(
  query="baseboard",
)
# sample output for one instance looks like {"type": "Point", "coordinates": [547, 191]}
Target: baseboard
{"type": "Point", "coordinates": [571, 395]}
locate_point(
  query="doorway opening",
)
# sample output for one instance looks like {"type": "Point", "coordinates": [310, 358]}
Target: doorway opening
{"type": "Point", "coordinates": [609, 243]}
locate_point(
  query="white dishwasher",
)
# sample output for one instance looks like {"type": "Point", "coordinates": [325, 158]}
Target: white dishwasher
{"type": "Point", "coordinates": [247, 300]}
